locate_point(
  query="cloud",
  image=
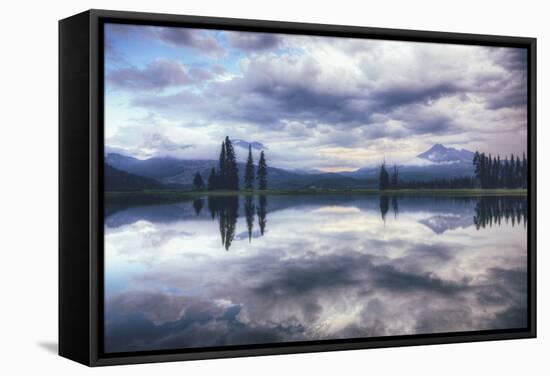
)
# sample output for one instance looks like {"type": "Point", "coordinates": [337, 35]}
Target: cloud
{"type": "Point", "coordinates": [254, 42]}
{"type": "Point", "coordinates": [196, 39]}
{"type": "Point", "coordinates": [320, 92]}
{"type": "Point", "coordinates": [155, 76]}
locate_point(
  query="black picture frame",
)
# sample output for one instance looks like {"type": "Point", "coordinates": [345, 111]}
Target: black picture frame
{"type": "Point", "coordinates": [81, 186]}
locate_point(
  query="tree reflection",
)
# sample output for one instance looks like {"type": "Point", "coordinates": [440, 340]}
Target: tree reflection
{"type": "Point", "coordinates": [226, 209]}
{"type": "Point", "coordinates": [395, 206]}
{"type": "Point", "coordinates": [384, 206]}
{"type": "Point", "coordinates": [198, 205]}
{"type": "Point", "coordinates": [492, 210]}
{"type": "Point", "coordinates": [262, 213]}
{"type": "Point", "coordinates": [249, 209]}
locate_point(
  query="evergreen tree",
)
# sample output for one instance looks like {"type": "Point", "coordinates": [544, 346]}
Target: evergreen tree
{"type": "Point", "coordinates": [395, 177]}
{"type": "Point", "coordinates": [212, 180]}
{"type": "Point", "coordinates": [384, 178]}
{"type": "Point", "coordinates": [198, 182]}
{"type": "Point", "coordinates": [477, 166]}
{"type": "Point", "coordinates": [222, 169]}
{"type": "Point", "coordinates": [249, 171]}
{"type": "Point", "coordinates": [232, 171]}
{"type": "Point", "coordinates": [261, 174]}
{"type": "Point", "coordinates": [493, 172]}
{"type": "Point", "coordinates": [498, 173]}
{"type": "Point", "coordinates": [518, 174]}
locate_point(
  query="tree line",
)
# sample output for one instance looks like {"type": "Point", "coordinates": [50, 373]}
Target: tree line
{"type": "Point", "coordinates": [226, 176]}
{"type": "Point", "coordinates": [489, 172]}
{"type": "Point", "coordinates": [493, 172]}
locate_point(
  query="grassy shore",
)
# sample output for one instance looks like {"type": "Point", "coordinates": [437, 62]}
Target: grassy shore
{"type": "Point", "coordinates": [183, 194]}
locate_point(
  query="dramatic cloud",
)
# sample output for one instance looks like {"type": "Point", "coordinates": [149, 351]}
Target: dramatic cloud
{"type": "Point", "coordinates": [368, 98]}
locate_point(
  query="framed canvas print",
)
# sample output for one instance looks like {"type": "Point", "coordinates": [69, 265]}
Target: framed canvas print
{"type": "Point", "coordinates": [240, 187]}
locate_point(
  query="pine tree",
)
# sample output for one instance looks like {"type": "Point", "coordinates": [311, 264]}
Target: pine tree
{"type": "Point", "coordinates": [518, 174]}
{"type": "Point", "coordinates": [261, 174]}
{"type": "Point", "coordinates": [384, 178]}
{"type": "Point", "coordinates": [249, 171]}
{"type": "Point", "coordinates": [212, 180]}
{"type": "Point", "coordinates": [222, 169]}
{"type": "Point", "coordinates": [232, 170]}
{"type": "Point", "coordinates": [395, 177]}
{"type": "Point", "coordinates": [198, 182]}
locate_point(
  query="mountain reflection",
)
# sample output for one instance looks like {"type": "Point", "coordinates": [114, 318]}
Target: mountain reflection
{"type": "Point", "coordinates": [488, 211]}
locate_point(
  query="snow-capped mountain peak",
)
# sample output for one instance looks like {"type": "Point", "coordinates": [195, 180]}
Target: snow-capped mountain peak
{"type": "Point", "coordinates": [438, 153]}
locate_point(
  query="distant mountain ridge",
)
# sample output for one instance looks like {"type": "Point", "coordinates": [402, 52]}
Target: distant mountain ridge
{"type": "Point", "coordinates": [445, 163]}
{"type": "Point", "coordinates": [116, 179]}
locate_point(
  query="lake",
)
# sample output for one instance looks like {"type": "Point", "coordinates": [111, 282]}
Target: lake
{"type": "Point", "coordinates": [224, 271]}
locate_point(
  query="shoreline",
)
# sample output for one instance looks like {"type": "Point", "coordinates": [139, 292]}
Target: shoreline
{"type": "Point", "coordinates": [176, 193]}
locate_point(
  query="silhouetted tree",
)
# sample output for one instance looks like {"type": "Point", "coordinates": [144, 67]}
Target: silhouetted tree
{"type": "Point", "coordinates": [222, 169]}
{"type": "Point", "coordinates": [212, 180]}
{"type": "Point", "coordinates": [491, 172]}
{"type": "Point", "coordinates": [395, 177]}
{"type": "Point", "coordinates": [249, 170]}
{"type": "Point", "coordinates": [232, 171]}
{"type": "Point", "coordinates": [198, 183]}
{"type": "Point", "coordinates": [261, 175]}
{"type": "Point", "coordinates": [384, 177]}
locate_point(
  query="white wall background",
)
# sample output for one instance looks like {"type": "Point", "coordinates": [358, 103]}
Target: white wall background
{"type": "Point", "coordinates": [28, 167]}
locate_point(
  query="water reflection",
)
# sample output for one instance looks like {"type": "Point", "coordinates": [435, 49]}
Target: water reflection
{"type": "Point", "coordinates": [197, 205]}
{"type": "Point", "coordinates": [226, 210]}
{"type": "Point", "coordinates": [328, 267]}
{"type": "Point", "coordinates": [491, 211]}
{"type": "Point", "coordinates": [249, 209]}
{"type": "Point", "coordinates": [262, 213]}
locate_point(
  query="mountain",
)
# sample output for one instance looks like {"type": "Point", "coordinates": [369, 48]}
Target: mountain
{"type": "Point", "coordinates": [116, 179]}
{"type": "Point", "coordinates": [440, 163]}
{"type": "Point", "coordinates": [180, 173]}
{"type": "Point", "coordinates": [155, 168]}
{"type": "Point", "coordinates": [244, 144]}
{"type": "Point", "coordinates": [441, 154]}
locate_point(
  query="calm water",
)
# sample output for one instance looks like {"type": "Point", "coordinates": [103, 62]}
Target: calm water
{"type": "Point", "coordinates": [231, 271]}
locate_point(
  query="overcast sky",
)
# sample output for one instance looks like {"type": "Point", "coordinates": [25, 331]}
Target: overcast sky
{"type": "Point", "coordinates": [314, 102]}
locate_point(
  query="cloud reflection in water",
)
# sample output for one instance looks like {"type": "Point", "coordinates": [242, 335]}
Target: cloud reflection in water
{"type": "Point", "coordinates": [309, 268]}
